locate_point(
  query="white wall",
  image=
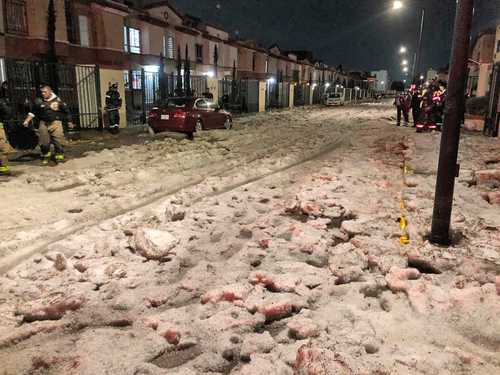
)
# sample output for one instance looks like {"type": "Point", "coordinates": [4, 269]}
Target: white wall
{"type": "Point", "coordinates": [382, 77]}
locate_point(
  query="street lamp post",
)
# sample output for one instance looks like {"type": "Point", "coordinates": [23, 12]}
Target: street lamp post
{"type": "Point", "coordinates": [416, 66]}
{"type": "Point", "coordinates": [418, 53]}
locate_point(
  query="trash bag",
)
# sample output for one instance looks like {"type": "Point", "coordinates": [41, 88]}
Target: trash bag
{"type": "Point", "coordinates": [22, 138]}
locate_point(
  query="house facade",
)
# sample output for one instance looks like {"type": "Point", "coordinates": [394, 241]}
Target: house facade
{"type": "Point", "coordinates": [481, 64]}
{"type": "Point", "coordinates": [128, 42]}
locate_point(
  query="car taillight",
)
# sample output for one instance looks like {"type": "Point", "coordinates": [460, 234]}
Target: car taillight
{"type": "Point", "coordinates": [179, 114]}
{"type": "Point", "coordinates": [432, 126]}
{"type": "Point", "coordinates": [420, 125]}
{"type": "Point", "coordinates": [153, 115]}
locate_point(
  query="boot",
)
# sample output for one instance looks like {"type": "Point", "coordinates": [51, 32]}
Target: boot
{"type": "Point", "coordinates": [60, 158]}
{"type": "Point", "coordinates": [46, 158]}
{"type": "Point", "coordinates": [4, 169]}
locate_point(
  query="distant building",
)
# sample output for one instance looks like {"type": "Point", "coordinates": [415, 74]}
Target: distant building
{"type": "Point", "coordinates": [431, 74]}
{"type": "Point", "coordinates": [481, 63]}
{"type": "Point", "coordinates": [497, 45]}
{"type": "Point", "coordinates": [382, 78]}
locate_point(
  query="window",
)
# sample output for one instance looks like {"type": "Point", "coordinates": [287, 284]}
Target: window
{"type": "Point", "coordinates": [254, 61]}
{"type": "Point", "coordinates": [267, 66]}
{"type": "Point", "coordinates": [201, 104]}
{"type": "Point", "coordinates": [83, 24]}
{"type": "Point", "coordinates": [176, 103]}
{"type": "Point", "coordinates": [131, 40]}
{"type": "Point", "coordinates": [15, 16]}
{"type": "Point", "coordinates": [136, 80]}
{"type": "Point", "coordinates": [168, 46]}
{"type": "Point", "coordinates": [70, 22]}
{"type": "Point", "coordinates": [126, 79]}
{"type": "Point", "coordinates": [199, 53]}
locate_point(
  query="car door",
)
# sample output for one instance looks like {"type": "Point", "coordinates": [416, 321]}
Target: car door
{"type": "Point", "coordinates": [201, 109]}
{"type": "Point", "coordinates": [218, 118]}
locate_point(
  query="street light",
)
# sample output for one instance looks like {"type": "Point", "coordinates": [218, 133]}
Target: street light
{"type": "Point", "coordinates": [416, 64]}
{"type": "Point", "coordinates": [405, 62]}
{"type": "Point", "coordinates": [403, 49]}
{"type": "Point", "coordinates": [405, 69]}
{"type": "Point", "coordinates": [397, 5]}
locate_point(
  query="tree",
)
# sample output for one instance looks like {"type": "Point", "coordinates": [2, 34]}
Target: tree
{"type": "Point", "coordinates": [162, 78]}
{"type": "Point", "coordinates": [178, 89]}
{"type": "Point", "coordinates": [233, 83]}
{"type": "Point", "coordinates": [51, 32]}
{"type": "Point", "coordinates": [216, 60]}
{"type": "Point", "coordinates": [51, 38]}
{"type": "Point", "coordinates": [187, 74]}
{"type": "Point", "coordinates": [398, 86]}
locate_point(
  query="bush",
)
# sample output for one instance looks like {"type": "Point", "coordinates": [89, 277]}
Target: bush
{"type": "Point", "coordinates": [477, 106]}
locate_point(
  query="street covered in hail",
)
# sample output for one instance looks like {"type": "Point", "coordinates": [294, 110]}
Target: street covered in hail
{"type": "Point", "coordinates": [276, 247]}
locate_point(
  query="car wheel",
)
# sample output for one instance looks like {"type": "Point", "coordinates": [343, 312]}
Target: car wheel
{"type": "Point", "coordinates": [419, 130]}
{"type": "Point", "coordinates": [199, 126]}
{"type": "Point", "coordinates": [228, 124]}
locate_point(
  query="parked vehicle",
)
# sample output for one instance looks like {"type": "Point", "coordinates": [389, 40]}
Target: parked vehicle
{"type": "Point", "coordinates": [332, 98]}
{"type": "Point", "coordinates": [427, 126]}
{"type": "Point", "coordinates": [188, 115]}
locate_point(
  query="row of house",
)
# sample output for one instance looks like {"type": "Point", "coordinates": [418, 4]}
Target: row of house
{"type": "Point", "coordinates": [128, 42]}
{"type": "Point", "coordinates": [484, 56]}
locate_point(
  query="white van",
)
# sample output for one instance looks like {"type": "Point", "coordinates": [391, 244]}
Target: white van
{"type": "Point", "coordinates": [332, 98]}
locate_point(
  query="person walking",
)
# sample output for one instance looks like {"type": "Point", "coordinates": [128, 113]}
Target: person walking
{"type": "Point", "coordinates": [415, 106]}
{"type": "Point", "coordinates": [113, 105]}
{"type": "Point", "coordinates": [406, 107]}
{"type": "Point", "coordinates": [51, 112]}
{"type": "Point", "coordinates": [399, 102]}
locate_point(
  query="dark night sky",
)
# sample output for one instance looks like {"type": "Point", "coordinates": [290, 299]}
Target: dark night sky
{"type": "Point", "coordinates": [360, 34]}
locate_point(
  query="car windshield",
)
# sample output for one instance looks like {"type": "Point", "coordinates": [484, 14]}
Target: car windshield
{"type": "Point", "coordinates": [334, 96]}
{"type": "Point", "coordinates": [176, 103]}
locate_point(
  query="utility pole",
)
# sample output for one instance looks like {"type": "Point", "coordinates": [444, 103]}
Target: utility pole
{"type": "Point", "coordinates": [418, 54]}
{"type": "Point", "coordinates": [448, 169]}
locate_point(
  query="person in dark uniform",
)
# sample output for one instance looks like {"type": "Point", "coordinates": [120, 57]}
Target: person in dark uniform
{"type": "Point", "coordinates": [51, 111]}
{"type": "Point", "coordinates": [400, 103]}
{"type": "Point", "coordinates": [5, 113]}
{"type": "Point", "coordinates": [113, 105]}
{"type": "Point", "coordinates": [415, 106]}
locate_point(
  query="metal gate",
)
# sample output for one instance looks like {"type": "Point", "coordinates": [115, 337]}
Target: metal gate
{"type": "Point", "coordinates": [299, 98]}
{"type": "Point", "coordinates": [239, 95]}
{"type": "Point", "coordinates": [492, 120]}
{"type": "Point", "coordinates": [77, 85]}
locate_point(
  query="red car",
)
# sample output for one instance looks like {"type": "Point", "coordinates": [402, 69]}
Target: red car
{"type": "Point", "coordinates": [188, 115]}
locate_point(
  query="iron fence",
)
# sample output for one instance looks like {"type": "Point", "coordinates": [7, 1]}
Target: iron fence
{"type": "Point", "coordinates": [240, 95]}
{"type": "Point", "coordinates": [492, 120]}
{"type": "Point", "coordinates": [77, 85]}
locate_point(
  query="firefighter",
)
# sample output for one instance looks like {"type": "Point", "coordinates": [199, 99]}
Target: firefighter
{"type": "Point", "coordinates": [51, 112]}
{"type": "Point", "coordinates": [5, 148]}
{"type": "Point", "coordinates": [415, 106]}
{"type": "Point", "coordinates": [406, 107]}
{"type": "Point", "coordinates": [113, 105]}
{"type": "Point", "coordinates": [399, 103]}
